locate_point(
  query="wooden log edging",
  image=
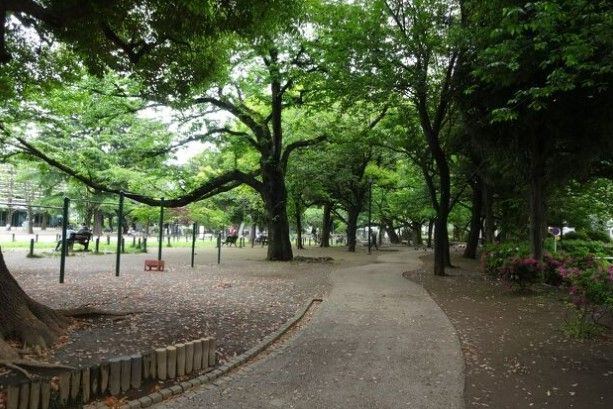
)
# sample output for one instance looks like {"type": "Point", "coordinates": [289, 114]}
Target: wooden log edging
{"type": "Point", "coordinates": [75, 388]}
{"type": "Point", "coordinates": [173, 390]}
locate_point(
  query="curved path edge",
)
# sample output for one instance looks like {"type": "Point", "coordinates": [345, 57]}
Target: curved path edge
{"type": "Point", "coordinates": [378, 341]}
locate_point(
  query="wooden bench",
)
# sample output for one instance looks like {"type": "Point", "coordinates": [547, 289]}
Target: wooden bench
{"type": "Point", "coordinates": [82, 238]}
{"type": "Point", "coordinates": [262, 240]}
{"type": "Point", "coordinates": [230, 240]}
{"type": "Point", "coordinates": [151, 264]}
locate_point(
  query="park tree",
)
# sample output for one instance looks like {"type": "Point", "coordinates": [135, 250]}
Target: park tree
{"type": "Point", "coordinates": [540, 86]}
{"type": "Point", "coordinates": [405, 49]}
{"type": "Point", "coordinates": [170, 47]}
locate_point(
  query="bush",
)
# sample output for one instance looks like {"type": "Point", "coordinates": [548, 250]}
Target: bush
{"type": "Point", "coordinates": [584, 248]}
{"type": "Point", "coordinates": [521, 272]}
{"type": "Point", "coordinates": [598, 236]}
{"type": "Point", "coordinates": [551, 265]}
{"type": "Point", "coordinates": [495, 256]}
{"type": "Point", "coordinates": [573, 235]}
{"type": "Point", "coordinates": [591, 292]}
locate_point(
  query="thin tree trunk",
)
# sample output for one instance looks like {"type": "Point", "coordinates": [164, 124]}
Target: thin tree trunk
{"type": "Point", "coordinates": [537, 214]}
{"type": "Point", "coordinates": [298, 216]}
{"type": "Point", "coordinates": [475, 220]}
{"type": "Point", "coordinates": [416, 230]}
{"type": "Point", "coordinates": [430, 233]}
{"type": "Point", "coordinates": [30, 220]}
{"type": "Point", "coordinates": [45, 221]}
{"type": "Point", "coordinates": [327, 226]}
{"type": "Point", "coordinates": [489, 225]}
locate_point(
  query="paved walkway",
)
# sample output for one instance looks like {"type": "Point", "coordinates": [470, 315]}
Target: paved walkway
{"type": "Point", "coordinates": [377, 341]}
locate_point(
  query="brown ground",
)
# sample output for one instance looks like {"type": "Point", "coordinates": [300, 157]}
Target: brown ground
{"type": "Point", "coordinates": [238, 302]}
{"type": "Point", "coordinates": [516, 354]}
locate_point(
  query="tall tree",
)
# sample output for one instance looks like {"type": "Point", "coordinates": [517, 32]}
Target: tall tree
{"type": "Point", "coordinates": [540, 87]}
{"type": "Point", "coordinates": [405, 48]}
{"type": "Point", "coordinates": [171, 46]}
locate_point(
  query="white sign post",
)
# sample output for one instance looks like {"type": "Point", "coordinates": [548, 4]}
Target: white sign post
{"type": "Point", "coordinates": [555, 232]}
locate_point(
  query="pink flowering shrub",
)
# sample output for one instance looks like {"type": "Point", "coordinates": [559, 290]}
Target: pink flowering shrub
{"type": "Point", "coordinates": [521, 272]}
{"type": "Point", "coordinates": [591, 292]}
{"type": "Point", "coordinates": [551, 266]}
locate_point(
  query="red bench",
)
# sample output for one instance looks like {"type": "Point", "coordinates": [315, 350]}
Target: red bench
{"type": "Point", "coordinates": [157, 264]}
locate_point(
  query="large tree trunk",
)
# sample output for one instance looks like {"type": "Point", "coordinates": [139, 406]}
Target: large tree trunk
{"type": "Point", "coordinates": [391, 232]}
{"type": "Point", "coordinates": [537, 210]}
{"type": "Point", "coordinates": [430, 233]}
{"type": "Point", "coordinates": [416, 230]}
{"type": "Point", "coordinates": [45, 221]}
{"type": "Point", "coordinates": [24, 319]}
{"type": "Point", "coordinates": [352, 226]}
{"type": "Point", "coordinates": [98, 221]}
{"type": "Point", "coordinates": [475, 220]}
{"type": "Point", "coordinates": [327, 226]}
{"type": "Point", "coordinates": [441, 235]}
{"type": "Point", "coordinates": [274, 196]}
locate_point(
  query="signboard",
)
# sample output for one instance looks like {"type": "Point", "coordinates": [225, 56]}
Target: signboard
{"type": "Point", "coordinates": [555, 231]}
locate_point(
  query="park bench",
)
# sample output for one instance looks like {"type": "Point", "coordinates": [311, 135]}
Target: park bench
{"type": "Point", "coordinates": [157, 264]}
{"type": "Point", "coordinates": [263, 240]}
{"type": "Point", "coordinates": [81, 238]}
{"type": "Point", "coordinates": [230, 240]}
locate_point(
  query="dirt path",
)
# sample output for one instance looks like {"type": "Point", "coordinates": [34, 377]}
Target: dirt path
{"type": "Point", "coordinates": [516, 354]}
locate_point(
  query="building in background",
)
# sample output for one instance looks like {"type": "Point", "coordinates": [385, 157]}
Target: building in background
{"type": "Point", "coordinates": [18, 199]}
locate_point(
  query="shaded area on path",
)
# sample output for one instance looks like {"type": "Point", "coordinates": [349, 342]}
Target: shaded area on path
{"type": "Point", "coordinates": [378, 341]}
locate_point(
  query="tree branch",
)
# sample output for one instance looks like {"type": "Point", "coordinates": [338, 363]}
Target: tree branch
{"type": "Point", "coordinates": [298, 145]}
{"type": "Point", "coordinates": [216, 185]}
{"type": "Point", "coordinates": [235, 110]}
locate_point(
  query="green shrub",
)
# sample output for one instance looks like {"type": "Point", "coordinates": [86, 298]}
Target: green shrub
{"type": "Point", "coordinates": [584, 248]}
{"type": "Point", "coordinates": [573, 235]}
{"type": "Point", "coordinates": [591, 292]}
{"type": "Point", "coordinates": [598, 236]}
{"type": "Point", "coordinates": [495, 256]}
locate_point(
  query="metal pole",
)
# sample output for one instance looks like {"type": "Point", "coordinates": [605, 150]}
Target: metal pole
{"type": "Point", "coordinates": [64, 229]}
{"type": "Point", "coordinates": [219, 248]}
{"type": "Point", "coordinates": [194, 227]}
{"type": "Point", "coordinates": [369, 214]}
{"type": "Point", "coordinates": [119, 234]}
{"type": "Point", "coordinates": [161, 239]}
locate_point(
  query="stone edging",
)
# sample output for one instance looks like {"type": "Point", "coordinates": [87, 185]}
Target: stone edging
{"type": "Point", "coordinates": [166, 393]}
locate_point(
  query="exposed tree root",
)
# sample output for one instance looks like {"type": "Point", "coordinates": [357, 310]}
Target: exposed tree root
{"type": "Point", "coordinates": [86, 311]}
{"type": "Point", "coordinates": [34, 325]}
{"type": "Point", "coordinates": [35, 364]}
{"type": "Point", "coordinates": [18, 369]}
